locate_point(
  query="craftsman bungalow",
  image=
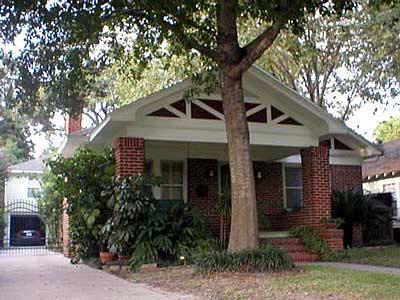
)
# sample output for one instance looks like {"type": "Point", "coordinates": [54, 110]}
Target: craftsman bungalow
{"type": "Point", "coordinates": [300, 152]}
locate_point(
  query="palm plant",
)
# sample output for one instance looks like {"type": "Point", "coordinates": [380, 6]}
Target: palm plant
{"type": "Point", "coordinates": [352, 208]}
{"type": "Point", "coordinates": [355, 208]}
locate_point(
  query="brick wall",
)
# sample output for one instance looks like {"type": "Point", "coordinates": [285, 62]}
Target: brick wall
{"type": "Point", "coordinates": [129, 156]}
{"type": "Point", "coordinates": [269, 188]}
{"type": "Point", "coordinates": [203, 190]}
{"type": "Point", "coordinates": [334, 238]}
{"type": "Point", "coordinates": [343, 177]}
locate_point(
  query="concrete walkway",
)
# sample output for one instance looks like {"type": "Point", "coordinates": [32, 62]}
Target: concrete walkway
{"type": "Point", "coordinates": [52, 277]}
{"type": "Point", "coordinates": [358, 267]}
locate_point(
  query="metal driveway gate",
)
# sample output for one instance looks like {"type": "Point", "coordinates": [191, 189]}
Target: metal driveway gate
{"type": "Point", "coordinates": [26, 232]}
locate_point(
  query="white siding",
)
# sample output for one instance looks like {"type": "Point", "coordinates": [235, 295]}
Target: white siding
{"type": "Point", "coordinates": [16, 187]}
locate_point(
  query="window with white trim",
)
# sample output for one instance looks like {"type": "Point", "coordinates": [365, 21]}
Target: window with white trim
{"type": "Point", "coordinates": [33, 192]}
{"type": "Point", "coordinates": [172, 179]}
{"type": "Point", "coordinates": [391, 188]}
{"type": "Point", "coordinates": [293, 187]}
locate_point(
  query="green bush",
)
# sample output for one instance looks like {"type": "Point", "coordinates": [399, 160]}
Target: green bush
{"type": "Point", "coordinates": [81, 179]}
{"type": "Point", "coordinates": [311, 239]}
{"type": "Point", "coordinates": [266, 258]}
{"type": "Point", "coordinates": [170, 233]}
{"type": "Point", "coordinates": [133, 206]}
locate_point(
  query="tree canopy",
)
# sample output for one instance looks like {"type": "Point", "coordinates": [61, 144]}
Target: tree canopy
{"type": "Point", "coordinates": [388, 130]}
{"type": "Point", "coordinates": [68, 43]}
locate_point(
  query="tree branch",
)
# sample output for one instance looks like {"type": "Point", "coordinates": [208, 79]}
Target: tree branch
{"type": "Point", "coordinates": [257, 47]}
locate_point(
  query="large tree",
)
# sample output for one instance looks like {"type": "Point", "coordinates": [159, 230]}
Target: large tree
{"type": "Point", "coordinates": [388, 130]}
{"type": "Point", "coordinates": [67, 40]}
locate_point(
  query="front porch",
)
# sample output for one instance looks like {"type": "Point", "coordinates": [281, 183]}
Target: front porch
{"type": "Point", "coordinates": [291, 190]}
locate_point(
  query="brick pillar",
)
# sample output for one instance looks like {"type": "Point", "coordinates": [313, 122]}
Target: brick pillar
{"type": "Point", "coordinates": [316, 185]}
{"type": "Point", "coordinates": [129, 156]}
{"type": "Point", "coordinates": [73, 124]}
{"type": "Point", "coordinates": [65, 232]}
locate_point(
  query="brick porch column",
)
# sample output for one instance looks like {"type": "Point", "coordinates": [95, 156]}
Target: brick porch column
{"type": "Point", "coordinates": [129, 156]}
{"type": "Point", "coordinates": [73, 124]}
{"type": "Point", "coordinates": [316, 185]}
{"type": "Point", "coordinates": [65, 232]}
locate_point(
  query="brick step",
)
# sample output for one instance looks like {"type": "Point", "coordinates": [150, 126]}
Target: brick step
{"type": "Point", "coordinates": [292, 248]}
{"type": "Point", "coordinates": [303, 257]}
{"type": "Point", "coordinates": [282, 241]}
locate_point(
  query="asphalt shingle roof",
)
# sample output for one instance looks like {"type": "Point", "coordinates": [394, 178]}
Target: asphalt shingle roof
{"type": "Point", "coordinates": [33, 165]}
{"type": "Point", "coordinates": [385, 164]}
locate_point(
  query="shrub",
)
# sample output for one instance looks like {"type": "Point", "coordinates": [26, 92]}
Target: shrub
{"type": "Point", "coordinates": [81, 180]}
{"type": "Point", "coordinates": [133, 206]}
{"type": "Point", "coordinates": [311, 239]}
{"type": "Point", "coordinates": [170, 233]}
{"type": "Point", "coordinates": [264, 259]}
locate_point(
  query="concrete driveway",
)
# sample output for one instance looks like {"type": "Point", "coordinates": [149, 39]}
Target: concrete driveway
{"type": "Point", "coordinates": [52, 277]}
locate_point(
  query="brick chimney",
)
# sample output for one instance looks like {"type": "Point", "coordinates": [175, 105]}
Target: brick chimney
{"type": "Point", "coordinates": [73, 124]}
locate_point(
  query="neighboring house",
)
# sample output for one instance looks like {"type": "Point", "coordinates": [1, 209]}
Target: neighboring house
{"type": "Point", "coordinates": [382, 174]}
{"type": "Point", "coordinates": [300, 152]}
{"type": "Point", "coordinates": [20, 198]}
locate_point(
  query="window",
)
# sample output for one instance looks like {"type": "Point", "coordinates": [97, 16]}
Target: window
{"type": "Point", "coordinates": [172, 180]}
{"type": "Point", "coordinates": [293, 188]}
{"type": "Point", "coordinates": [391, 188]}
{"type": "Point", "coordinates": [33, 192]}
{"type": "Point", "coordinates": [148, 168]}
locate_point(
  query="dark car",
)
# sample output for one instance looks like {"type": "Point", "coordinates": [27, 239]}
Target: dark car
{"type": "Point", "coordinates": [29, 237]}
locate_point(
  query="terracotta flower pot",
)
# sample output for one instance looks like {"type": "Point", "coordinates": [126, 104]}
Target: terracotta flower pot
{"type": "Point", "coordinates": [123, 259]}
{"type": "Point", "coordinates": [106, 257]}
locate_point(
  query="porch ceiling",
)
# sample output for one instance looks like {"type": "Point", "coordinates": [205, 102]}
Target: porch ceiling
{"type": "Point", "coordinates": [179, 150]}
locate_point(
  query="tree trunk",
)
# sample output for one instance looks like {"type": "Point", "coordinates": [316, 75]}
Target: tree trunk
{"type": "Point", "coordinates": [244, 228]}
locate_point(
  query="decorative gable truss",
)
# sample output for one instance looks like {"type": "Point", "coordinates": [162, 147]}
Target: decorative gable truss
{"type": "Point", "coordinates": [211, 109]}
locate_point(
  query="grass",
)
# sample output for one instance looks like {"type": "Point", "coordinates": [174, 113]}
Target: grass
{"type": "Point", "coordinates": [347, 283]}
{"type": "Point", "coordinates": [388, 256]}
{"type": "Point", "coordinates": [309, 282]}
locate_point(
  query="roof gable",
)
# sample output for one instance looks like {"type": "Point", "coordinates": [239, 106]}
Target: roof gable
{"type": "Point", "coordinates": [270, 107]}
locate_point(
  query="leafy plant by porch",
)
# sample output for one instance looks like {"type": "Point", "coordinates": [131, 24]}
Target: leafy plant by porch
{"type": "Point", "coordinates": [81, 179]}
{"type": "Point", "coordinates": [144, 231]}
{"type": "Point", "coordinates": [264, 259]}
{"type": "Point", "coordinates": [311, 239]}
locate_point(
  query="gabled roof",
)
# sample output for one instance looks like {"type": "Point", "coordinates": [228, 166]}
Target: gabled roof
{"type": "Point", "coordinates": [30, 166]}
{"type": "Point", "coordinates": [387, 164]}
{"type": "Point", "coordinates": [260, 85]}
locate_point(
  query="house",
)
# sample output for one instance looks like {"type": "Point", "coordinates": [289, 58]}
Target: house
{"type": "Point", "coordinates": [300, 152]}
{"type": "Point", "coordinates": [381, 174]}
{"type": "Point", "coordinates": [23, 225]}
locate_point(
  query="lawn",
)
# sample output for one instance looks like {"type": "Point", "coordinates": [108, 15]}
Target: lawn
{"type": "Point", "coordinates": [309, 282]}
{"type": "Point", "coordinates": [388, 256]}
